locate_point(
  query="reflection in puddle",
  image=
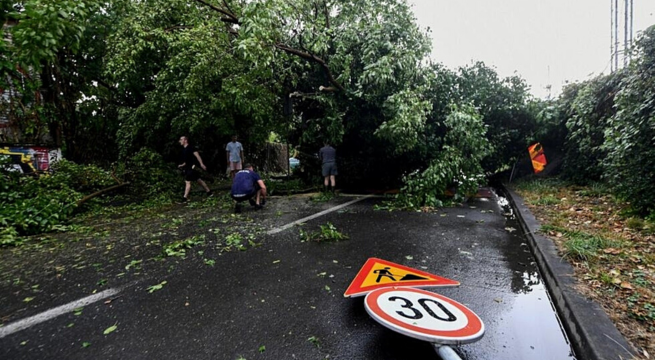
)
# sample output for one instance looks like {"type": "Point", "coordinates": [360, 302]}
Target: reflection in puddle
{"type": "Point", "coordinates": [532, 310]}
{"type": "Point", "coordinates": [531, 279]}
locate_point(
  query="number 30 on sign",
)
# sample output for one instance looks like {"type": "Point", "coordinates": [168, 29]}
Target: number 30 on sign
{"type": "Point", "coordinates": [424, 315]}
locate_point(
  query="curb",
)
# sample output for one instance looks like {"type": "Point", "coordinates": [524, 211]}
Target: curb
{"type": "Point", "coordinates": [591, 332]}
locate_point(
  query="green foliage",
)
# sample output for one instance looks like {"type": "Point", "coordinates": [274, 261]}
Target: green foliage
{"type": "Point", "coordinates": [590, 112]}
{"type": "Point", "coordinates": [182, 76]}
{"type": "Point", "coordinates": [32, 205]}
{"type": "Point", "coordinates": [327, 232]}
{"type": "Point", "coordinates": [582, 246]}
{"type": "Point", "coordinates": [504, 105]}
{"type": "Point", "coordinates": [150, 176]}
{"type": "Point", "coordinates": [82, 178]}
{"type": "Point", "coordinates": [547, 200]}
{"type": "Point", "coordinates": [45, 26]}
{"type": "Point", "coordinates": [234, 240]}
{"type": "Point", "coordinates": [630, 134]}
{"type": "Point", "coordinates": [458, 163]}
{"type": "Point", "coordinates": [546, 185]}
{"type": "Point", "coordinates": [179, 248]}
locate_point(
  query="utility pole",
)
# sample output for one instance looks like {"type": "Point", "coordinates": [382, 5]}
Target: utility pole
{"type": "Point", "coordinates": [612, 69]}
{"type": "Point", "coordinates": [631, 23]}
{"type": "Point", "coordinates": [616, 35]}
{"type": "Point", "coordinates": [625, 35]}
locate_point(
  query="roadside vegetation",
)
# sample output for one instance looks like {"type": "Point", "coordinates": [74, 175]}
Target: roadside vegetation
{"type": "Point", "coordinates": [610, 247]}
{"type": "Point", "coordinates": [600, 209]}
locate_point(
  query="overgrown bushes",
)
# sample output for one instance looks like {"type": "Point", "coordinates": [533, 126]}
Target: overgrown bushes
{"type": "Point", "coordinates": [611, 129]}
{"type": "Point", "coordinates": [458, 162]}
{"type": "Point", "coordinates": [150, 176]}
{"type": "Point", "coordinates": [630, 135]}
{"type": "Point", "coordinates": [31, 205]}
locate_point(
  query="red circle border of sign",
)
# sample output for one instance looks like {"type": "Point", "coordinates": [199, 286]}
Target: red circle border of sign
{"type": "Point", "coordinates": [474, 320]}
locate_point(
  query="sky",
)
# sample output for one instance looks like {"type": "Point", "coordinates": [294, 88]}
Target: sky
{"type": "Point", "coordinates": [543, 41]}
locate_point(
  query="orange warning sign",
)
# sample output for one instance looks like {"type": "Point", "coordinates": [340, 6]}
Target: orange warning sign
{"type": "Point", "coordinates": [538, 157]}
{"type": "Point", "coordinates": [378, 273]}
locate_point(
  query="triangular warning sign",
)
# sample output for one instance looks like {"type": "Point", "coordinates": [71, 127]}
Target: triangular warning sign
{"type": "Point", "coordinates": [378, 273]}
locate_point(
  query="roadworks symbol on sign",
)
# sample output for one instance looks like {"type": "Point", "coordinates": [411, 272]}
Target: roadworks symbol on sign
{"type": "Point", "coordinates": [378, 273]}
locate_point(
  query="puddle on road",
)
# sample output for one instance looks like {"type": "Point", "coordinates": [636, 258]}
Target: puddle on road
{"type": "Point", "coordinates": [532, 310]}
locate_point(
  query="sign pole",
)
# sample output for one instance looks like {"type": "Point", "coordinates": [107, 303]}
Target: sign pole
{"type": "Point", "coordinates": [446, 352]}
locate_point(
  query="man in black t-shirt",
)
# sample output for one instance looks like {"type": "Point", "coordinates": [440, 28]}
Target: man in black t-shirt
{"type": "Point", "coordinates": [190, 159]}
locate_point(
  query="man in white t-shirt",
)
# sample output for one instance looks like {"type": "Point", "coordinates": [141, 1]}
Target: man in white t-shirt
{"type": "Point", "coordinates": [234, 151]}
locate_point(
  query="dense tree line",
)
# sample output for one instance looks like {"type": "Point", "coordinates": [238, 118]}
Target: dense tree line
{"type": "Point", "coordinates": [118, 76]}
{"type": "Point", "coordinates": [116, 82]}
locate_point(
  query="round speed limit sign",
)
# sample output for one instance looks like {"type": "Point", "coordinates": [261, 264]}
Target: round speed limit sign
{"type": "Point", "coordinates": [424, 315]}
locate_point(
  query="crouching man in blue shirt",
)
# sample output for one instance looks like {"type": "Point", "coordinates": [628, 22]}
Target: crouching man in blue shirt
{"type": "Point", "coordinates": [248, 185]}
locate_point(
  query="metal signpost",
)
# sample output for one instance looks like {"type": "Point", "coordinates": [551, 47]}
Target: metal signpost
{"type": "Point", "coordinates": [416, 313]}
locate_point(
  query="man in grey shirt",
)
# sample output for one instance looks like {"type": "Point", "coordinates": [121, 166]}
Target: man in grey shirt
{"type": "Point", "coordinates": [328, 156]}
{"type": "Point", "coordinates": [234, 152]}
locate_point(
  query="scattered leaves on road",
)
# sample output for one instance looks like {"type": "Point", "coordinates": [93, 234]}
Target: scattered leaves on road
{"type": "Point", "coordinates": [314, 340]}
{"type": "Point", "coordinates": [110, 329]}
{"type": "Point", "coordinates": [153, 288]}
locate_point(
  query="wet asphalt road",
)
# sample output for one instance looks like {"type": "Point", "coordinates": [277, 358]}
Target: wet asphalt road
{"type": "Point", "coordinates": [274, 302]}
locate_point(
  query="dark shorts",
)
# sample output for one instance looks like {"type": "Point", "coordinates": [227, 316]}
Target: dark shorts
{"type": "Point", "coordinates": [191, 175]}
{"type": "Point", "coordinates": [330, 168]}
{"type": "Point", "coordinates": [245, 197]}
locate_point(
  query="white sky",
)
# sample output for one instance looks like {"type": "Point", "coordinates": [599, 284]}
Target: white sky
{"type": "Point", "coordinates": [571, 37]}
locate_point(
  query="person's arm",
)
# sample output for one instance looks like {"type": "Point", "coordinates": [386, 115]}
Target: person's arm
{"type": "Point", "coordinates": [200, 161]}
{"type": "Point", "coordinates": [263, 187]}
{"type": "Point", "coordinates": [243, 158]}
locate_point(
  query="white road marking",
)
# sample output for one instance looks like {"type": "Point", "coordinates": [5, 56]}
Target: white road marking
{"type": "Point", "coordinates": [53, 313]}
{"type": "Point", "coordinates": [282, 228]}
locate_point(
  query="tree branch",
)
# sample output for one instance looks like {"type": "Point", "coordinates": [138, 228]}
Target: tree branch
{"type": "Point", "coordinates": [97, 193]}
{"type": "Point", "coordinates": [229, 16]}
{"type": "Point", "coordinates": [228, 7]}
{"type": "Point", "coordinates": [311, 57]}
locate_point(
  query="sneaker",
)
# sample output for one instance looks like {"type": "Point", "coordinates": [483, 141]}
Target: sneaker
{"type": "Point", "coordinates": [252, 202]}
{"type": "Point", "coordinates": [183, 200]}
{"type": "Point", "coordinates": [237, 208]}
{"type": "Point", "coordinates": [258, 207]}
{"type": "Point", "coordinates": [262, 202]}
{"type": "Point", "coordinates": [210, 193]}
